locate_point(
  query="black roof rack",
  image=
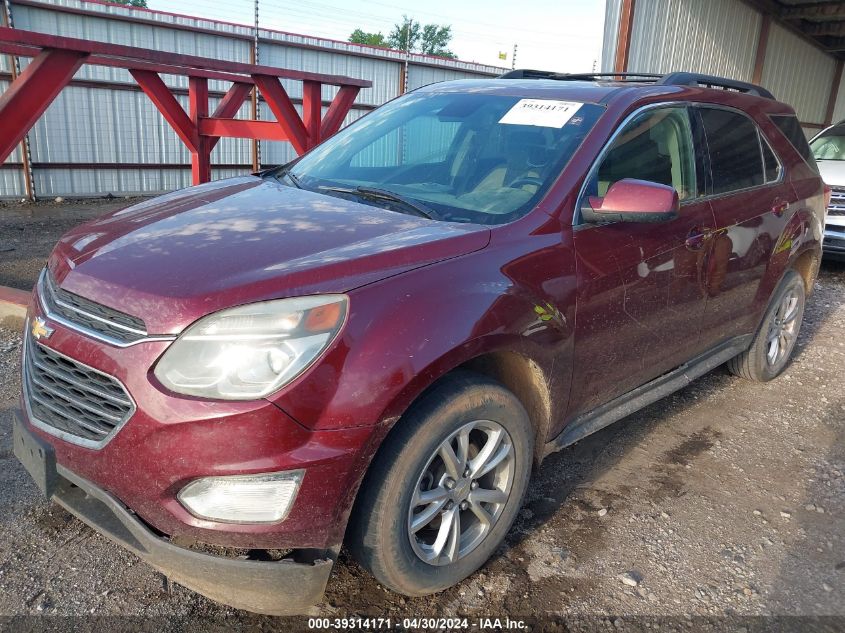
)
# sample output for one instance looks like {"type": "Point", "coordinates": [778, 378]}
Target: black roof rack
{"type": "Point", "coordinates": [708, 81]}
{"type": "Point", "coordinates": [670, 79]}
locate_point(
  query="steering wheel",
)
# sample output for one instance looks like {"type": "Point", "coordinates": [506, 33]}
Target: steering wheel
{"type": "Point", "coordinates": [526, 180]}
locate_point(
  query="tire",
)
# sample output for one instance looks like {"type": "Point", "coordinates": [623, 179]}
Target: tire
{"type": "Point", "coordinates": [403, 556]}
{"type": "Point", "coordinates": [766, 358]}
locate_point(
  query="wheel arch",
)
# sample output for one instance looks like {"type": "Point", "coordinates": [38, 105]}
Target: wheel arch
{"type": "Point", "coordinates": [798, 248]}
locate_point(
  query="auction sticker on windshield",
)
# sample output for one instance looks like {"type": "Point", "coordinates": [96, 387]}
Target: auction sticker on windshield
{"type": "Point", "coordinates": [541, 112]}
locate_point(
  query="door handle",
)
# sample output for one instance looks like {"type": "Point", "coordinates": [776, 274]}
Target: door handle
{"type": "Point", "coordinates": [696, 237]}
{"type": "Point", "coordinates": [779, 207]}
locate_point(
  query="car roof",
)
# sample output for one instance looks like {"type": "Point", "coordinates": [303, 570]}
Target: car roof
{"type": "Point", "coordinates": [601, 92]}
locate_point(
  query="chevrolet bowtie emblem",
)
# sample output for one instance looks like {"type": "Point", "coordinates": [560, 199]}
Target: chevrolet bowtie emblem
{"type": "Point", "coordinates": [40, 329]}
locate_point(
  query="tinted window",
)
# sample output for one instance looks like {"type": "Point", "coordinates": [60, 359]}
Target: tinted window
{"type": "Point", "coordinates": [656, 146]}
{"type": "Point", "coordinates": [735, 160]}
{"type": "Point", "coordinates": [791, 128]}
{"type": "Point", "coordinates": [770, 162]}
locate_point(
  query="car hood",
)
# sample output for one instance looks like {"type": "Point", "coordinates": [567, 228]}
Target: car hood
{"type": "Point", "coordinates": [832, 172]}
{"type": "Point", "coordinates": [175, 258]}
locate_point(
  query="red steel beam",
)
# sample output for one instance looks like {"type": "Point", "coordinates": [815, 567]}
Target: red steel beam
{"type": "Point", "coordinates": [53, 67]}
{"type": "Point", "coordinates": [169, 107]}
{"type": "Point", "coordinates": [623, 38]}
{"type": "Point", "coordinates": [229, 106]}
{"type": "Point", "coordinates": [179, 64]}
{"type": "Point", "coordinates": [282, 107]}
{"type": "Point", "coordinates": [32, 92]}
{"type": "Point", "coordinates": [338, 110]}
{"type": "Point", "coordinates": [239, 128]}
{"type": "Point", "coordinates": [312, 111]}
{"type": "Point", "coordinates": [198, 106]}
{"type": "Point", "coordinates": [762, 45]}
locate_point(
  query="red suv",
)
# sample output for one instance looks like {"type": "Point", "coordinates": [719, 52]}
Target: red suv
{"type": "Point", "coordinates": [373, 345]}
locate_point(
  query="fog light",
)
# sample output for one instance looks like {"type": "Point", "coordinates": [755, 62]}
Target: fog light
{"type": "Point", "coordinates": [262, 498]}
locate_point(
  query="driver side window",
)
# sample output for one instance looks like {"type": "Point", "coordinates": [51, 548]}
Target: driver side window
{"type": "Point", "coordinates": [657, 147]}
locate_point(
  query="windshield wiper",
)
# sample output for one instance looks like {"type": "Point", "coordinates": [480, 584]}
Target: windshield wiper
{"type": "Point", "coordinates": [286, 172]}
{"type": "Point", "coordinates": [374, 193]}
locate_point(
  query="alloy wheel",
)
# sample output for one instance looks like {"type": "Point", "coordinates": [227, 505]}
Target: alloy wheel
{"type": "Point", "coordinates": [461, 492]}
{"type": "Point", "coordinates": [783, 329]}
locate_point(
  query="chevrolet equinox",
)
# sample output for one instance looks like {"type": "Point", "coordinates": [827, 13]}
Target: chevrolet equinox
{"type": "Point", "coordinates": [373, 345]}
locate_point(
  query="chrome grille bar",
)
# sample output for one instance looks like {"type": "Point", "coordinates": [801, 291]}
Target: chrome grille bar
{"type": "Point", "coordinates": [71, 400]}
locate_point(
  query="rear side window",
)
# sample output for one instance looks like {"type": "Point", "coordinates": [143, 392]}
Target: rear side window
{"type": "Point", "coordinates": [735, 157]}
{"type": "Point", "coordinates": [791, 128]}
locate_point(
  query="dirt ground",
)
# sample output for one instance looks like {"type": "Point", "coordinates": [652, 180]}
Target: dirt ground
{"type": "Point", "coordinates": [721, 507]}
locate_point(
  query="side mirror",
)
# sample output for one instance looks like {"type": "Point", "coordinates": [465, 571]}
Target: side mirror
{"type": "Point", "coordinates": [632, 200]}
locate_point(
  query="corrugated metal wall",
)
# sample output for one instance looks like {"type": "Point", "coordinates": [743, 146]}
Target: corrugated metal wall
{"type": "Point", "coordinates": [799, 74]}
{"type": "Point", "coordinates": [110, 121]}
{"type": "Point", "coordinates": [423, 75]}
{"type": "Point", "coordinates": [612, 13]}
{"type": "Point", "coordinates": [718, 37]}
{"type": "Point", "coordinates": [839, 109]}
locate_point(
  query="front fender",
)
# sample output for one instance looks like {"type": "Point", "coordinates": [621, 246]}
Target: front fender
{"type": "Point", "coordinates": [405, 332]}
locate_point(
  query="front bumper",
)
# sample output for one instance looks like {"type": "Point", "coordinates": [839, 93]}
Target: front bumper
{"type": "Point", "coordinates": [834, 237]}
{"type": "Point", "coordinates": [285, 587]}
{"type": "Point", "coordinates": [171, 440]}
{"type": "Point", "coordinates": [834, 243]}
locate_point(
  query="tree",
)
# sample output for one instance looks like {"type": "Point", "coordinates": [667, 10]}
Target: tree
{"type": "Point", "coordinates": [132, 3]}
{"type": "Point", "coordinates": [435, 40]}
{"type": "Point", "coordinates": [411, 36]}
{"type": "Point", "coordinates": [372, 39]}
{"type": "Point", "coordinates": [405, 36]}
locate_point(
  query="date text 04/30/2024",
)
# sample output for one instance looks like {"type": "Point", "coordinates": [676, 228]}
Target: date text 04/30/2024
{"type": "Point", "coordinates": [427, 624]}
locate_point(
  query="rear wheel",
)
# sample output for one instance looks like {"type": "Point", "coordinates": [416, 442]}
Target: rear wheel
{"type": "Point", "coordinates": [774, 342]}
{"type": "Point", "coordinates": [445, 487]}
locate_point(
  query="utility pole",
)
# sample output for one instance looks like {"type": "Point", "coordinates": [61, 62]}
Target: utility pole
{"type": "Point", "coordinates": [513, 58]}
{"type": "Point", "coordinates": [408, 26]}
{"type": "Point", "coordinates": [256, 110]}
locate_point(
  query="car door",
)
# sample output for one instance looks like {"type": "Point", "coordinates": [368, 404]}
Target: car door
{"type": "Point", "coordinates": [640, 286]}
{"type": "Point", "coordinates": [751, 205]}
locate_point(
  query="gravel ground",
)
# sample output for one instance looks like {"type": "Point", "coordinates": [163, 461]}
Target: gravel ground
{"type": "Point", "coordinates": [29, 231]}
{"type": "Point", "coordinates": [724, 500]}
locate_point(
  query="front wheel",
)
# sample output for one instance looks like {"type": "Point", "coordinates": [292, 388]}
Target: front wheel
{"type": "Point", "coordinates": [774, 342]}
{"type": "Point", "coordinates": [445, 487]}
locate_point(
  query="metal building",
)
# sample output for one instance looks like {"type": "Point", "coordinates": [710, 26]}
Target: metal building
{"type": "Point", "coordinates": [123, 146]}
{"type": "Point", "coordinates": [795, 48]}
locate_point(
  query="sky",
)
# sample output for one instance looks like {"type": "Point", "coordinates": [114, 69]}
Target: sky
{"type": "Point", "coordinates": [559, 35]}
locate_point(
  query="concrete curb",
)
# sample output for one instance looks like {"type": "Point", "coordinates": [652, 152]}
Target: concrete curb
{"type": "Point", "coordinates": [13, 304]}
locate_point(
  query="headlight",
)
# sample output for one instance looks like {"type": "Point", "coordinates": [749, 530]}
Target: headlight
{"type": "Point", "coordinates": [248, 352]}
{"type": "Point", "coordinates": [262, 498]}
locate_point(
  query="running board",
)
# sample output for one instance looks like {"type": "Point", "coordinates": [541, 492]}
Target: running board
{"type": "Point", "coordinates": [644, 395]}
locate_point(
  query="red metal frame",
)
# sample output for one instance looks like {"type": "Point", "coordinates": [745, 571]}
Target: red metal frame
{"type": "Point", "coordinates": [56, 59]}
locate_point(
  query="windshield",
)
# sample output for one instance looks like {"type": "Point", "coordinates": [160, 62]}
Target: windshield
{"type": "Point", "coordinates": [465, 157]}
{"type": "Point", "coordinates": [830, 147]}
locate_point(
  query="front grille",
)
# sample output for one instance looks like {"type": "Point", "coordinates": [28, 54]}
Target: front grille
{"type": "Point", "coordinates": [837, 202]}
{"type": "Point", "coordinates": [88, 316]}
{"type": "Point", "coordinates": [86, 406]}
